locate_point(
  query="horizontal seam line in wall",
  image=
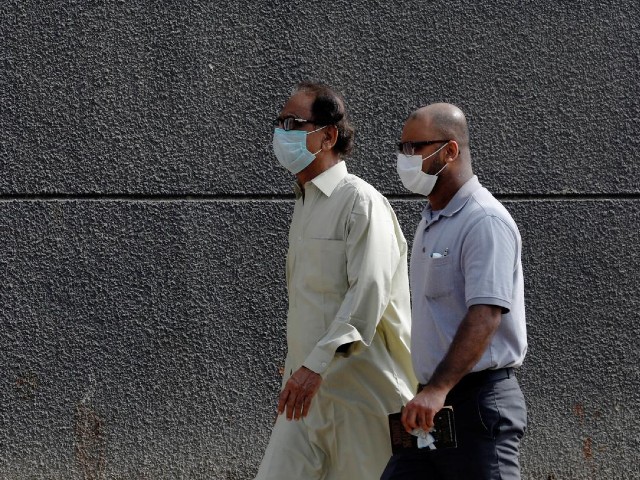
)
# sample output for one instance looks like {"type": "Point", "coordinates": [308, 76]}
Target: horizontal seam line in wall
{"type": "Point", "coordinates": [145, 198]}
{"type": "Point", "coordinates": [282, 197]}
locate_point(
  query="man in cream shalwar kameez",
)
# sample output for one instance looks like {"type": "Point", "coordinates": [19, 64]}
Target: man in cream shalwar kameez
{"type": "Point", "coordinates": [348, 321]}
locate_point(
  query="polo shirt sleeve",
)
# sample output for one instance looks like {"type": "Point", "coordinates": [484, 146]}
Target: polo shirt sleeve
{"type": "Point", "coordinates": [373, 254]}
{"type": "Point", "coordinates": [489, 260]}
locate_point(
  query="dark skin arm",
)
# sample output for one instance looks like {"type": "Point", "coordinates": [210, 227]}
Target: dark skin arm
{"type": "Point", "coordinates": [297, 393]}
{"type": "Point", "coordinates": [471, 340]}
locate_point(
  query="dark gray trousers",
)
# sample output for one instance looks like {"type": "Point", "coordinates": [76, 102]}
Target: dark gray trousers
{"type": "Point", "coordinates": [491, 417]}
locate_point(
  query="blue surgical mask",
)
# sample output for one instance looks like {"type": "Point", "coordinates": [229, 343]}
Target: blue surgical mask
{"type": "Point", "coordinates": [290, 147]}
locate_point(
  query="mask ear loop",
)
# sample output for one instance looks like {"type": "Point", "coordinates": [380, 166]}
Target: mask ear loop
{"type": "Point", "coordinates": [317, 129]}
{"type": "Point", "coordinates": [445, 166]}
{"type": "Point", "coordinates": [314, 131]}
{"type": "Point", "coordinates": [429, 156]}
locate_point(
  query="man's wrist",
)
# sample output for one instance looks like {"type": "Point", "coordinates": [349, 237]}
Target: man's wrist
{"type": "Point", "coordinates": [440, 383]}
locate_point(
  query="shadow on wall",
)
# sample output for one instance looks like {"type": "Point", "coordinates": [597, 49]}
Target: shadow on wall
{"type": "Point", "coordinates": [90, 448]}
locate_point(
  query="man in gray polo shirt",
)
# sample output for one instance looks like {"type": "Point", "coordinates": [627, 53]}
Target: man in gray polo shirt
{"type": "Point", "coordinates": [468, 318]}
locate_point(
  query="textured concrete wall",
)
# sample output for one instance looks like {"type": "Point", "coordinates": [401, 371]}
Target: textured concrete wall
{"type": "Point", "coordinates": [143, 217]}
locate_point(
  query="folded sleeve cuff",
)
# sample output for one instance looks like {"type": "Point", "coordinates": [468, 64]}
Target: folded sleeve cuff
{"type": "Point", "coordinates": [498, 302]}
{"type": "Point", "coordinates": [318, 361]}
{"type": "Point", "coordinates": [322, 354]}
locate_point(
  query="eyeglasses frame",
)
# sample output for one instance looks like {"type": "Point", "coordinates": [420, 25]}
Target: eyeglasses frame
{"type": "Point", "coordinates": [284, 123]}
{"type": "Point", "coordinates": [413, 145]}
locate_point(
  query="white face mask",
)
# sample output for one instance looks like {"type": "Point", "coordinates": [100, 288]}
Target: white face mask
{"type": "Point", "coordinates": [413, 178]}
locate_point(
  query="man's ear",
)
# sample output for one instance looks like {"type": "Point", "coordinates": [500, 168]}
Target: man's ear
{"type": "Point", "coordinates": [330, 137]}
{"type": "Point", "coordinates": [452, 150]}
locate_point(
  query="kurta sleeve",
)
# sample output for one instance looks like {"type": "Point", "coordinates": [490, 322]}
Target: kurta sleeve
{"type": "Point", "coordinates": [372, 255]}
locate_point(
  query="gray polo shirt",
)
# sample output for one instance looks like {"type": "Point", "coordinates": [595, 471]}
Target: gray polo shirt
{"type": "Point", "coordinates": [466, 254]}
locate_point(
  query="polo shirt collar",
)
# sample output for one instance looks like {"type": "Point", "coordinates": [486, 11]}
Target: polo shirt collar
{"type": "Point", "coordinates": [458, 201]}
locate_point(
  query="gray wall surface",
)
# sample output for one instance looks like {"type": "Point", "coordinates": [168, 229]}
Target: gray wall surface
{"type": "Point", "coordinates": [143, 217]}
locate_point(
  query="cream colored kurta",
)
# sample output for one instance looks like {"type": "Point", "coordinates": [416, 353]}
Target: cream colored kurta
{"type": "Point", "coordinates": [347, 283]}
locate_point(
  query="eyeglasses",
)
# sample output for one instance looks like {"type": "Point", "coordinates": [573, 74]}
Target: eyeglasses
{"type": "Point", "coordinates": [409, 148]}
{"type": "Point", "coordinates": [290, 123]}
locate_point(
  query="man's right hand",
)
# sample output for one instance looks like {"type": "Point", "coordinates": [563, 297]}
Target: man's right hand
{"type": "Point", "coordinates": [298, 391]}
{"type": "Point", "coordinates": [419, 412]}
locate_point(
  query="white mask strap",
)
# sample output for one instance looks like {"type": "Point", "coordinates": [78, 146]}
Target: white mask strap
{"type": "Point", "coordinates": [317, 129]}
{"type": "Point", "coordinates": [429, 156]}
{"type": "Point", "coordinates": [445, 166]}
{"type": "Point", "coordinates": [313, 131]}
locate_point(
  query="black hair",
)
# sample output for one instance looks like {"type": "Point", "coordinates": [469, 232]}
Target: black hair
{"type": "Point", "coordinates": [328, 108]}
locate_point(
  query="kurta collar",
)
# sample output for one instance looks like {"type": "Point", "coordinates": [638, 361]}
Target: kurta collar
{"type": "Point", "coordinates": [327, 181]}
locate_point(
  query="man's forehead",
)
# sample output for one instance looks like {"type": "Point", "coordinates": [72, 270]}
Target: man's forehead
{"type": "Point", "coordinates": [416, 127]}
{"type": "Point", "coordinates": [299, 104]}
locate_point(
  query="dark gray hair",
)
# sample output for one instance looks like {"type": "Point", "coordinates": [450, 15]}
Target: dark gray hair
{"type": "Point", "coordinates": [328, 108]}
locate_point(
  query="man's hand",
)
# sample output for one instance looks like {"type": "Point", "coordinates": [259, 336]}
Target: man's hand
{"type": "Point", "coordinates": [419, 412]}
{"type": "Point", "coordinates": [470, 342]}
{"type": "Point", "coordinates": [298, 392]}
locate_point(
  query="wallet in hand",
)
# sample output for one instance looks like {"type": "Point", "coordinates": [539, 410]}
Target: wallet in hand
{"type": "Point", "coordinates": [443, 434]}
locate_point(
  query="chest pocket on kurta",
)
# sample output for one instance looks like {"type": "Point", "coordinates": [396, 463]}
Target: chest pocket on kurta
{"type": "Point", "coordinates": [325, 265]}
{"type": "Point", "coordinates": [439, 278]}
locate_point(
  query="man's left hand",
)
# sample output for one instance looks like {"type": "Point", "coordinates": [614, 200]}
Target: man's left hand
{"type": "Point", "coordinates": [298, 392]}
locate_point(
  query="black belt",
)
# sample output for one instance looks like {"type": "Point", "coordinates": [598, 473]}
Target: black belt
{"type": "Point", "coordinates": [477, 379]}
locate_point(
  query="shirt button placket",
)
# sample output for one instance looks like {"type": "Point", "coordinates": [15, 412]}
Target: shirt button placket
{"type": "Point", "coordinates": [426, 230]}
